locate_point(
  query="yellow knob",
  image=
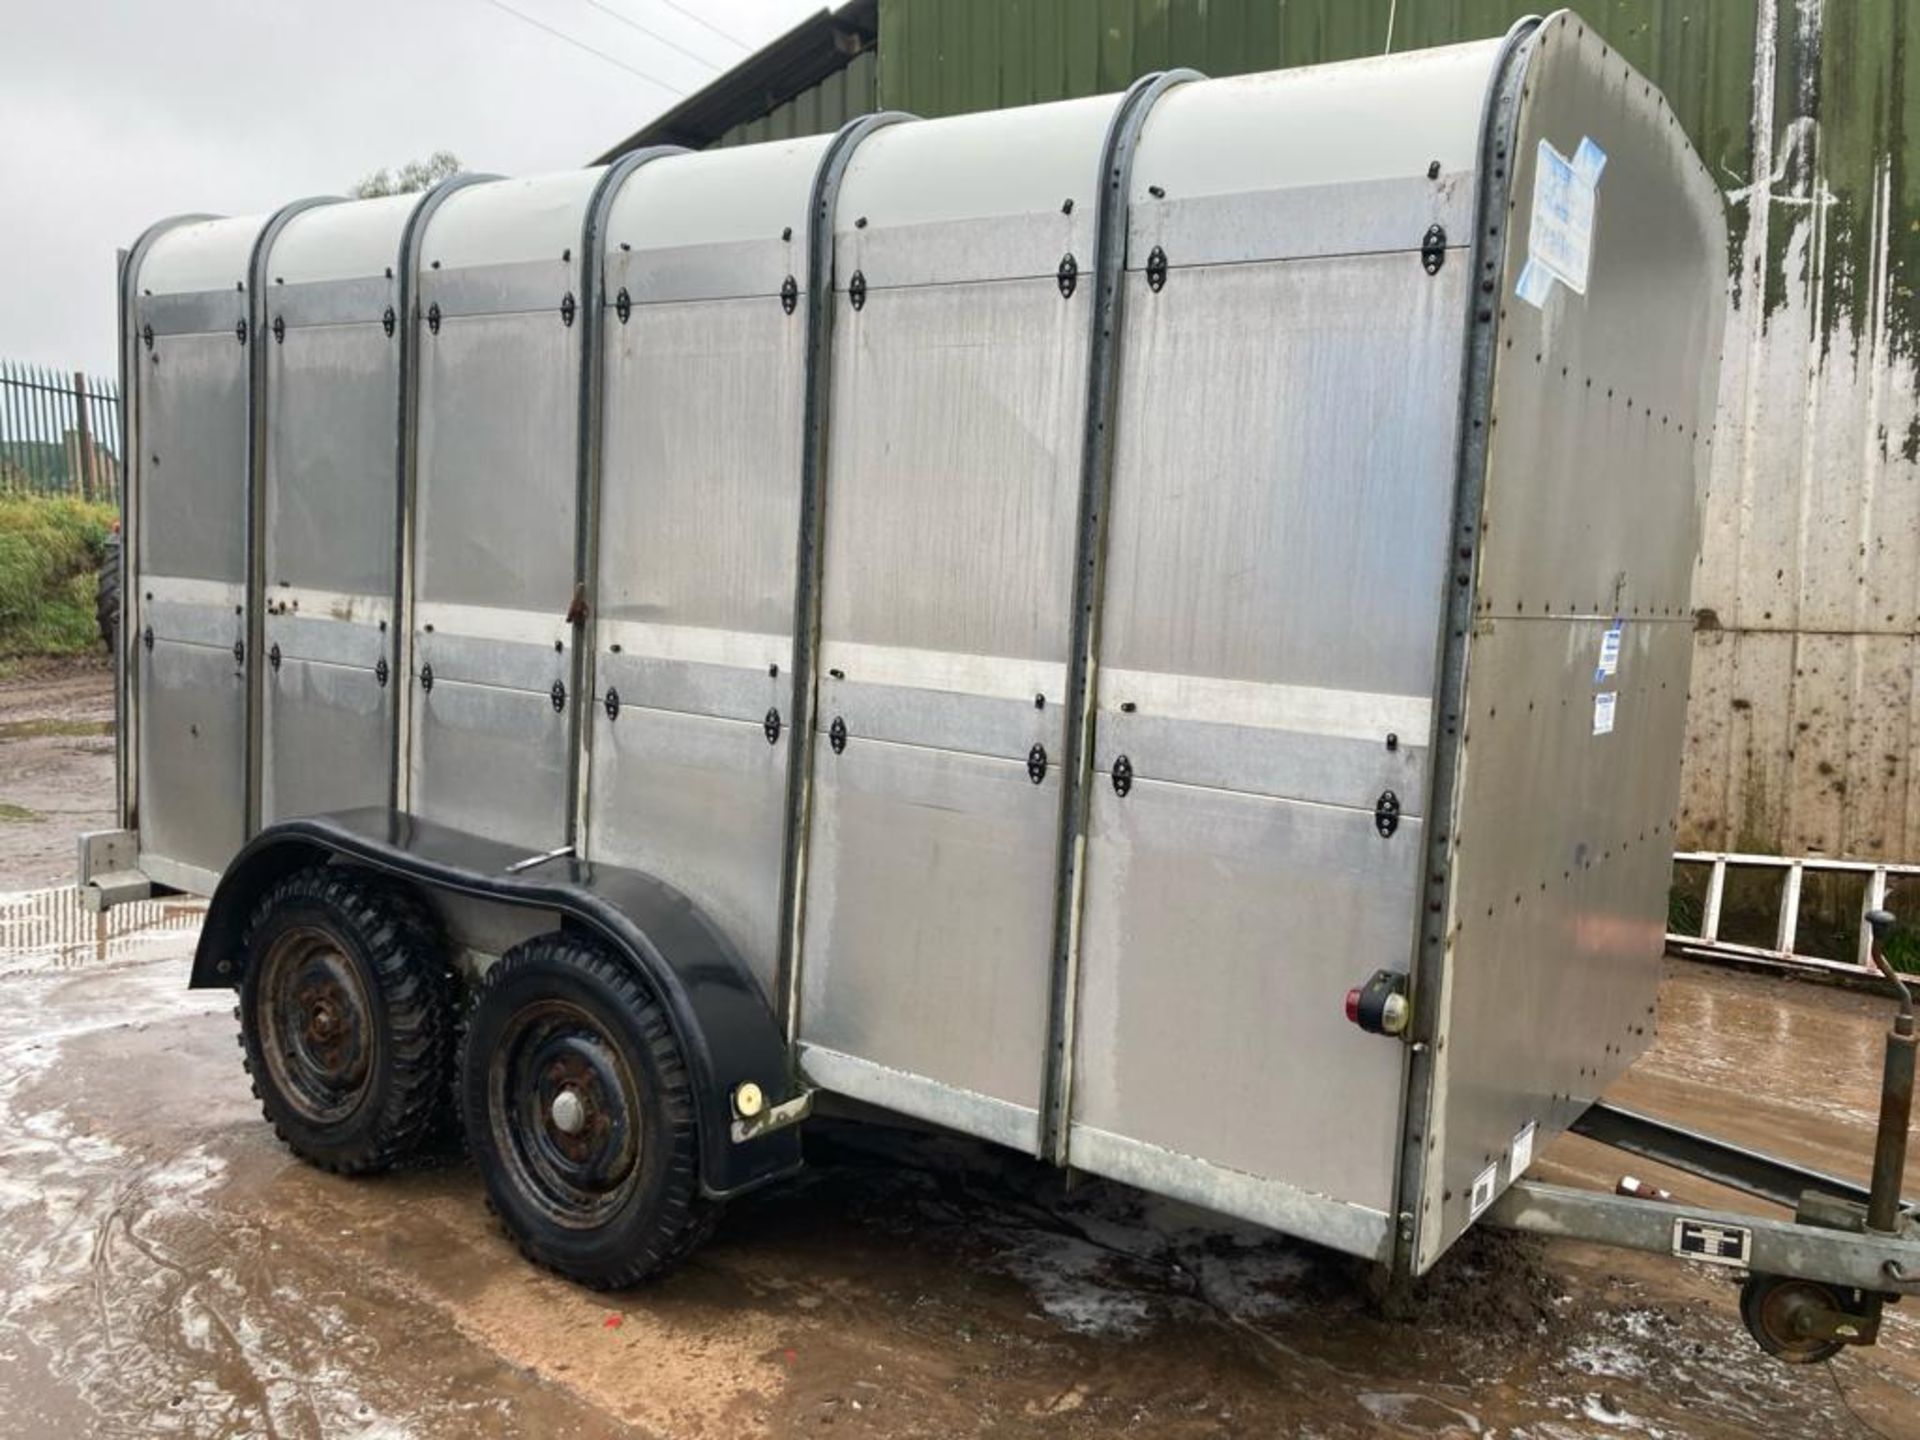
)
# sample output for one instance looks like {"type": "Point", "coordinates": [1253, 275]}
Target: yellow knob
{"type": "Point", "coordinates": [748, 1101]}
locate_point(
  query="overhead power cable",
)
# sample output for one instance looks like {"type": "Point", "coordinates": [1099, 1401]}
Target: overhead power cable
{"type": "Point", "coordinates": [633, 24]}
{"type": "Point", "coordinates": [541, 25]}
{"type": "Point", "coordinates": [705, 23]}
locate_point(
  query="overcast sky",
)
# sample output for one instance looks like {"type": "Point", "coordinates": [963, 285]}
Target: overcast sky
{"type": "Point", "coordinates": [116, 113]}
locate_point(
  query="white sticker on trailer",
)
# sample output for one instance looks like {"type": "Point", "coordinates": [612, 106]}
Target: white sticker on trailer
{"type": "Point", "coordinates": [1566, 199]}
{"type": "Point", "coordinates": [1609, 652]}
{"type": "Point", "coordinates": [1484, 1185]}
{"type": "Point", "coordinates": [1522, 1155]}
{"type": "Point", "coordinates": [1603, 707]}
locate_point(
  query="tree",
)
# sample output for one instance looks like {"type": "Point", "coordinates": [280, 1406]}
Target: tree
{"type": "Point", "coordinates": [412, 176]}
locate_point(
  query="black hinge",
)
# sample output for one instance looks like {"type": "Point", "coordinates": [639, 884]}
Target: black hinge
{"type": "Point", "coordinates": [388, 320]}
{"type": "Point", "coordinates": [146, 637]}
{"type": "Point", "coordinates": [433, 317]}
{"type": "Point", "coordinates": [558, 695]}
{"type": "Point", "coordinates": [566, 308]}
{"type": "Point", "coordinates": [612, 703]}
{"type": "Point", "coordinates": [1069, 275]}
{"type": "Point", "coordinates": [426, 677]}
{"type": "Point", "coordinates": [857, 289]}
{"type": "Point", "coordinates": [1433, 249]}
{"type": "Point", "coordinates": [1037, 763]}
{"type": "Point", "coordinates": [789, 294]}
{"type": "Point", "coordinates": [1156, 268]}
{"type": "Point", "coordinates": [771, 725]}
{"type": "Point", "coordinates": [240, 331]}
{"type": "Point", "coordinates": [1386, 813]}
{"type": "Point", "coordinates": [380, 672]}
{"type": "Point", "coordinates": [146, 336]}
{"type": "Point", "coordinates": [279, 330]}
{"type": "Point", "coordinates": [239, 652]}
{"type": "Point", "coordinates": [273, 657]}
{"type": "Point", "coordinates": [623, 305]}
{"type": "Point", "coordinates": [837, 735]}
{"type": "Point", "coordinates": [1122, 775]}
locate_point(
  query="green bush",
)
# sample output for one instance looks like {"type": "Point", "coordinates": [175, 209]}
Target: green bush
{"type": "Point", "coordinates": [50, 553]}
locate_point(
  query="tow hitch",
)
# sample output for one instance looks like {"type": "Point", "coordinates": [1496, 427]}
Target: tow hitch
{"type": "Point", "coordinates": [1814, 1283]}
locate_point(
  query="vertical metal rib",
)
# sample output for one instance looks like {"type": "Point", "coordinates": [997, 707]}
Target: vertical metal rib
{"type": "Point", "coordinates": [1497, 123]}
{"type": "Point", "coordinates": [1096, 477]}
{"type": "Point", "coordinates": [405, 462]}
{"type": "Point", "coordinates": [126, 696]}
{"type": "Point", "coordinates": [587, 438]}
{"type": "Point", "coordinates": [806, 603]}
{"type": "Point", "coordinates": [252, 577]}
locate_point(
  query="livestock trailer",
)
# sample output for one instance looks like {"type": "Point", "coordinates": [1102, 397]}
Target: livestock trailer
{"type": "Point", "coordinates": [987, 617]}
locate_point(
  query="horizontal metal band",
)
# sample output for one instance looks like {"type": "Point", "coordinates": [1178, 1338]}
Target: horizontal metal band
{"type": "Point", "coordinates": [354, 643]}
{"type": "Point", "coordinates": [194, 312]}
{"type": "Point", "coordinates": [490, 622]}
{"type": "Point", "coordinates": [1278, 764]}
{"type": "Point", "coordinates": [332, 302]}
{"type": "Point", "coordinates": [517, 288]}
{"type": "Point", "coordinates": [737, 270]}
{"type": "Point", "coordinates": [967, 1111]}
{"type": "Point", "coordinates": [696, 644]}
{"type": "Point", "coordinates": [987, 250]}
{"type": "Point", "coordinates": [1354, 1229]}
{"type": "Point", "coordinates": [997, 676]}
{"type": "Point", "coordinates": [943, 719]}
{"type": "Point", "coordinates": [192, 590]}
{"type": "Point", "coordinates": [355, 609]}
{"type": "Point", "coordinates": [1307, 222]}
{"type": "Point", "coordinates": [1306, 709]}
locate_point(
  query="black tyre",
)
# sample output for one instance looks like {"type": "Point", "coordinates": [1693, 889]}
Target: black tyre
{"type": "Point", "coordinates": [579, 1111]}
{"type": "Point", "coordinates": [347, 1019]}
{"type": "Point", "coordinates": [106, 600]}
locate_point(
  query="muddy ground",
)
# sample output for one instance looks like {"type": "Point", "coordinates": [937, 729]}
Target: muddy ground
{"type": "Point", "coordinates": [165, 1268]}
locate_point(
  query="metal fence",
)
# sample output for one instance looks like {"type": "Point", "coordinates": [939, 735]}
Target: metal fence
{"type": "Point", "coordinates": [59, 433]}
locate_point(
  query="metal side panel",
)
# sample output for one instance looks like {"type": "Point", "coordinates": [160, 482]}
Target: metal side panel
{"type": "Point", "coordinates": [929, 911]}
{"type": "Point", "coordinates": [1273, 582]}
{"type": "Point", "coordinates": [329, 505]}
{"type": "Point", "coordinates": [951, 519]}
{"type": "Point", "coordinates": [494, 568]}
{"type": "Point", "coordinates": [491, 761]}
{"type": "Point", "coordinates": [193, 470]}
{"type": "Point", "coordinates": [699, 802]}
{"type": "Point", "coordinates": [192, 754]}
{"type": "Point", "coordinates": [1601, 384]}
{"type": "Point", "coordinates": [699, 509]}
{"type": "Point", "coordinates": [189, 591]}
{"type": "Point", "coordinates": [1221, 934]}
{"type": "Point", "coordinates": [327, 737]}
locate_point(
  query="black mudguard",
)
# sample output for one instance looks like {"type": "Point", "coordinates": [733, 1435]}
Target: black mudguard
{"type": "Point", "coordinates": [724, 1024]}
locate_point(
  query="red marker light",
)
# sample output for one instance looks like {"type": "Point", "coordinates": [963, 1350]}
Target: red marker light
{"type": "Point", "coordinates": [1353, 1005]}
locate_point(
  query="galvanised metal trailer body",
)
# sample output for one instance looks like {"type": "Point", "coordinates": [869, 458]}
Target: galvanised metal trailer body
{"type": "Point", "coordinates": [1009, 619]}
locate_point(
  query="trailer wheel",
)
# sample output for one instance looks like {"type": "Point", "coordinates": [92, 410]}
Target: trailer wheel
{"type": "Point", "coordinates": [1776, 1311]}
{"type": "Point", "coordinates": [106, 600]}
{"type": "Point", "coordinates": [346, 1016]}
{"type": "Point", "coordinates": [579, 1110]}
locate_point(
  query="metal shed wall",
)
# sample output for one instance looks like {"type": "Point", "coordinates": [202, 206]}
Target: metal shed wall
{"type": "Point", "coordinates": [818, 110]}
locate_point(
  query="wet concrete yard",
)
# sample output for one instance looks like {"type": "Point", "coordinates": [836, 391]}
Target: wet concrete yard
{"type": "Point", "coordinates": [166, 1268]}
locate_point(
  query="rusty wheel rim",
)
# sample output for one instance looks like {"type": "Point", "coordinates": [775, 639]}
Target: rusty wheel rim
{"type": "Point", "coordinates": [317, 1025]}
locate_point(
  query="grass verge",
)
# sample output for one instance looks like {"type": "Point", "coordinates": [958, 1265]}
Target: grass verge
{"type": "Point", "coordinates": [49, 561]}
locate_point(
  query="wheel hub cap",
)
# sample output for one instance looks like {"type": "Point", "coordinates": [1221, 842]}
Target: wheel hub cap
{"type": "Point", "coordinates": [569, 1113]}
